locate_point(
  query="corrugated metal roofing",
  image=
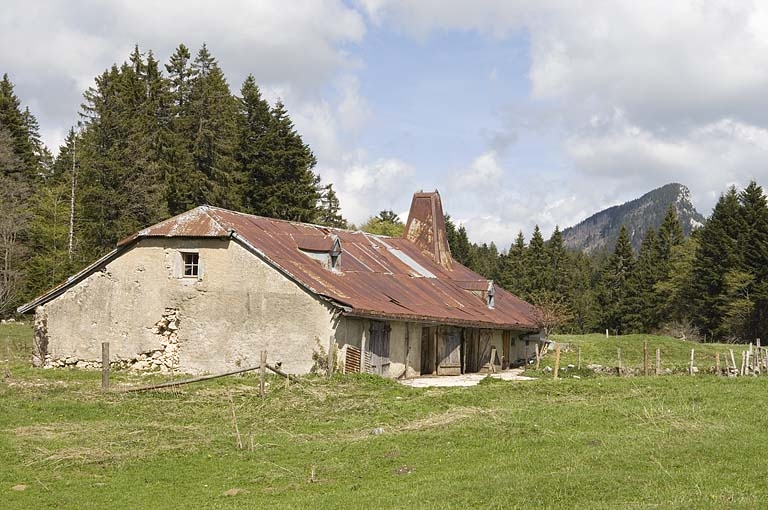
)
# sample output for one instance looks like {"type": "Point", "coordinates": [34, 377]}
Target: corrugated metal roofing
{"type": "Point", "coordinates": [378, 276]}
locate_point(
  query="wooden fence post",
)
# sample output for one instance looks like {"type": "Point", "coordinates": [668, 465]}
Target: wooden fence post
{"type": "Point", "coordinates": [579, 365]}
{"type": "Point", "coordinates": [618, 365]}
{"type": "Point", "coordinates": [733, 360]}
{"type": "Point", "coordinates": [645, 358]}
{"type": "Point", "coordinates": [557, 359]}
{"type": "Point", "coordinates": [538, 355]}
{"type": "Point", "coordinates": [262, 373]}
{"type": "Point", "coordinates": [690, 369]}
{"type": "Point", "coordinates": [717, 363]}
{"type": "Point", "coordinates": [104, 366]}
{"type": "Point", "coordinates": [658, 361]}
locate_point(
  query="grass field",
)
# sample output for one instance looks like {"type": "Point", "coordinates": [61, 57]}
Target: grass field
{"type": "Point", "coordinates": [599, 350]}
{"type": "Point", "coordinates": [595, 442]}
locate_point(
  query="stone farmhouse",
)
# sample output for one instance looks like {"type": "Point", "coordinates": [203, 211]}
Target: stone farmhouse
{"type": "Point", "coordinates": [209, 289]}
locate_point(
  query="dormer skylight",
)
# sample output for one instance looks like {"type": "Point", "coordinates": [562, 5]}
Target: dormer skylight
{"type": "Point", "coordinates": [326, 250]}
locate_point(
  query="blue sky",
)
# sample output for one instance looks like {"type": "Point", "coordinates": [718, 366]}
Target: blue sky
{"type": "Point", "coordinates": [518, 112]}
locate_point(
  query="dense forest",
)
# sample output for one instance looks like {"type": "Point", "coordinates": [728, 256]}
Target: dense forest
{"type": "Point", "coordinates": [155, 140]}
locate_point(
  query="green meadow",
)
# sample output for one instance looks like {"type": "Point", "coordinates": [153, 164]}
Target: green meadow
{"type": "Point", "coordinates": [675, 441]}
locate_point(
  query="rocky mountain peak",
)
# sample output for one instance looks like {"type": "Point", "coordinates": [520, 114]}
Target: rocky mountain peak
{"type": "Point", "coordinates": [599, 231]}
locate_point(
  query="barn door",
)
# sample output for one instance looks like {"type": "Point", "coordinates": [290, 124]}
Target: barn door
{"type": "Point", "coordinates": [379, 348]}
{"type": "Point", "coordinates": [449, 352]}
{"type": "Point", "coordinates": [427, 351]}
{"type": "Point", "coordinates": [485, 349]}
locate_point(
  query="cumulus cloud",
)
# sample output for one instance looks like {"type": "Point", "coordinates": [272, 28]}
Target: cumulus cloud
{"type": "Point", "coordinates": [639, 93]}
{"type": "Point", "coordinates": [296, 44]}
{"type": "Point", "coordinates": [366, 187]}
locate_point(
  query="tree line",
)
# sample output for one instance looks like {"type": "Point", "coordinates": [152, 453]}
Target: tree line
{"type": "Point", "coordinates": [152, 141]}
{"type": "Point", "coordinates": [712, 285]}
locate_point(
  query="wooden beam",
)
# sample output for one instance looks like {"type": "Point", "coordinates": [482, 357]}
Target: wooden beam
{"type": "Point", "coordinates": [171, 384]}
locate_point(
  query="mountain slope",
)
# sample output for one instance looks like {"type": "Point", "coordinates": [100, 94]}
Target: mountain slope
{"type": "Point", "coordinates": [599, 231]}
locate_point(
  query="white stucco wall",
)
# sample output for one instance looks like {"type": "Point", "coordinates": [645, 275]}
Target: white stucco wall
{"type": "Point", "coordinates": [238, 307]}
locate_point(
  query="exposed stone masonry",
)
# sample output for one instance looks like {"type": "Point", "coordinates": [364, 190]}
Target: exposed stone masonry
{"type": "Point", "coordinates": [165, 358]}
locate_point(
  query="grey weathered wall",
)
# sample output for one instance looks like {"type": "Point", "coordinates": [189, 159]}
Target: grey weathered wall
{"type": "Point", "coordinates": [238, 307]}
{"type": "Point", "coordinates": [404, 350]}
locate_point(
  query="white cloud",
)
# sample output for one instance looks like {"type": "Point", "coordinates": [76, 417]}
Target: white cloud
{"type": "Point", "coordinates": [366, 187]}
{"type": "Point", "coordinates": [66, 44]}
{"type": "Point", "coordinates": [483, 176]}
{"type": "Point", "coordinates": [706, 158]}
{"type": "Point", "coordinates": [353, 110]}
{"type": "Point", "coordinates": [639, 94]}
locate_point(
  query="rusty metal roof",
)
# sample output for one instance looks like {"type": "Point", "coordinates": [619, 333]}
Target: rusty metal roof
{"type": "Point", "coordinates": [377, 276]}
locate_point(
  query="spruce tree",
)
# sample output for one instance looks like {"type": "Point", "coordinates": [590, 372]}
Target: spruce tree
{"type": "Point", "coordinates": [513, 267]}
{"type": "Point", "coordinates": [718, 253]}
{"type": "Point", "coordinates": [557, 270]}
{"type": "Point", "coordinates": [753, 243]}
{"type": "Point", "coordinates": [252, 154]}
{"type": "Point", "coordinates": [582, 300]}
{"type": "Point", "coordinates": [536, 266]}
{"type": "Point", "coordinates": [458, 242]}
{"type": "Point", "coordinates": [213, 136]}
{"type": "Point", "coordinates": [613, 290]}
{"type": "Point", "coordinates": [14, 218]}
{"type": "Point", "coordinates": [641, 304]}
{"type": "Point", "coordinates": [674, 291]}
{"type": "Point", "coordinates": [180, 172]}
{"type": "Point", "coordinates": [288, 188]}
{"type": "Point", "coordinates": [329, 209]}
{"type": "Point", "coordinates": [119, 156]}
{"type": "Point", "coordinates": [21, 127]}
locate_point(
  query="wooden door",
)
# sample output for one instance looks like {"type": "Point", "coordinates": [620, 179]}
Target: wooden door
{"type": "Point", "coordinates": [484, 358]}
{"type": "Point", "coordinates": [427, 351]}
{"type": "Point", "coordinates": [506, 351]}
{"type": "Point", "coordinates": [449, 352]}
{"type": "Point", "coordinates": [379, 348]}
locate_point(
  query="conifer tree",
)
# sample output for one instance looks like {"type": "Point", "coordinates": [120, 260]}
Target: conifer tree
{"type": "Point", "coordinates": [213, 136]}
{"type": "Point", "coordinates": [513, 267]}
{"type": "Point", "coordinates": [582, 300]}
{"type": "Point", "coordinates": [14, 219]}
{"type": "Point", "coordinates": [613, 289]}
{"type": "Point", "coordinates": [252, 154]}
{"type": "Point", "coordinates": [458, 242]}
{"type": "Point", "coordinates": [50, 262]}
{"type": "Point", "coordinates": [288, 188]}
{"type": "Point", "coordinates": [177, 153]}
{"type": "Point", "coordinates": [536, 265]}
{"type": "Point", "coordinates": [121, 175]}
{"type": "Point", "coordinates": [753, 243]}
{"type": "Point", "coordinates": [641, 305]}
{"type": "Point", "coordinates": [674, 291]}
{"type": "Point", "coordinates": [329, 209]}
{"type": "Point", "coordinates": [718, 253]}
{"type": "Point", "coordinates": [386, 223]}
{"type": "Point", "coordinates": [485, 261]}
{"type": "Point", "coordinates": [22, 129]}
{"type": "Point", "coordinates": [557, 270]}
